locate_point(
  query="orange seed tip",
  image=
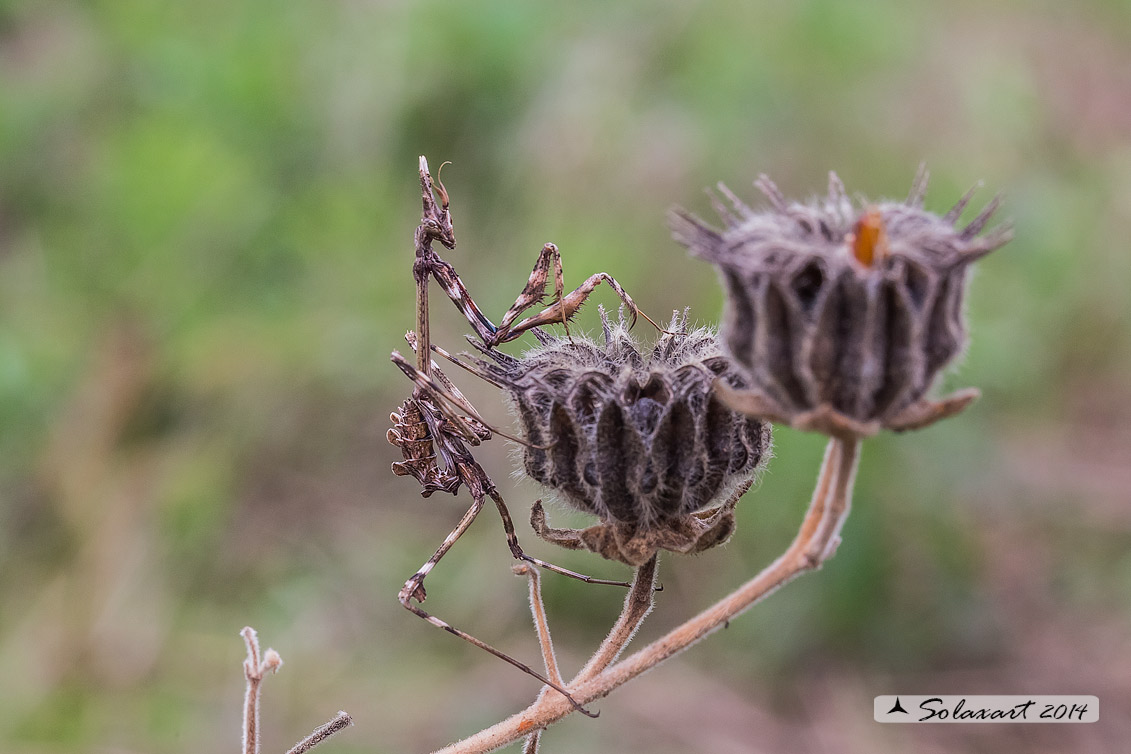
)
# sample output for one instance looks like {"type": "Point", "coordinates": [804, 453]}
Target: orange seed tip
{"type": "Point", "coordinates": [868, 241]}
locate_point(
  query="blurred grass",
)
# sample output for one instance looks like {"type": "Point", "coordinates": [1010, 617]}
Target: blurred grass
{"type": "Point", "coordinates": [206, 215]}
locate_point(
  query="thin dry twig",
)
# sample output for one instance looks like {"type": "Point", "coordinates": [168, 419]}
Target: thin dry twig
{"type": "Point", "coordinates": [538, 612]}
{"type": "Point", "coordinates": [339, 722]}
{"type": "Point", "coordinates": [815, 542]}
{"type": "Point", "coordinates": [255, 669]}
{"type": "Point", "coordinates": [545, 641]}
{"type": "Point", "coordinates": [637, 604]}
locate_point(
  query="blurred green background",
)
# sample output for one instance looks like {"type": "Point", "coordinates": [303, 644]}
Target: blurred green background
{"type": "Point", "coordinates": [206, 217]}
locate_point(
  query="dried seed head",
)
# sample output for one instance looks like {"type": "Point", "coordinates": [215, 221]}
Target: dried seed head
{"type": "Point", "coordinates": [642, 440]}
{"type": "Point", "coordinates": [841, 318]}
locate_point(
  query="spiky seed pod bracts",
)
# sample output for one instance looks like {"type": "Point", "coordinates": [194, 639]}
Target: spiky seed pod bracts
{"type": "Point", "coordinates": [637, 437]}
{"type": "Point", "coordinates": [840, 316]}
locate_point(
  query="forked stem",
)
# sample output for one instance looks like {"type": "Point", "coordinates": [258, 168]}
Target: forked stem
{"type": "Point", "coordinates": [637, 604]}
{"type": "Point", "coordinates": [255, 668]}
{"type": "Point", "coordinates": [814, 543]}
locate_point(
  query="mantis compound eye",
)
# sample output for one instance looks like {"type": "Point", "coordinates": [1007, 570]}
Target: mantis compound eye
{"type": "Point", "coordinates": [842, 319]}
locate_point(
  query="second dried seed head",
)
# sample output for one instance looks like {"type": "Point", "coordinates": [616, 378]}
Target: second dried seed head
{"type": "Point", "coordinates": [841, 316]}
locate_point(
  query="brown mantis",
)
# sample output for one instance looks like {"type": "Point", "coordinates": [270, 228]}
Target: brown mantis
{"type": "Point", "coordinates": [436, 425]}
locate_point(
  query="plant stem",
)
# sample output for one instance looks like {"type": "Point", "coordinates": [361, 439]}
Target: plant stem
{"type": "Point", "coordinates": [254, 676]}
{"type": "Point", "coordinates": [637, 604]}
{"type": "Point", "coordinates": [339, 722]}
{"type": "Point", "coordinates": [813, 544]}
{"type": "Point", "coordinates": [541, 625]}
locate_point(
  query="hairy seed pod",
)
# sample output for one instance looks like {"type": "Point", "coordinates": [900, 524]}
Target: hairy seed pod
{"type": "Point", "coordinates": [641, 440]}
{"type": "Point", "coordinates": [842, 318]}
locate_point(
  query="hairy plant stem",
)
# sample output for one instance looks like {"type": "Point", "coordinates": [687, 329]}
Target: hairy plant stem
{"type": "Point", "coordinates": [339, 722]}
{"type": "Point", "coordinates": [255, 669]}
{"type": "Point", "coordinates": [815, 542]}
{"type": "Point", "coordinates": [637, 605]}
{"type": "Point", "coordinates": [541, 625]}
{"type": "Point", "coordinates": [253, 672]}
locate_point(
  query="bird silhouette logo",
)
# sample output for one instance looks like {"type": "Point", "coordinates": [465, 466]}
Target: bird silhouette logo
{"type": "Point", "coordinates": [898, 708]}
